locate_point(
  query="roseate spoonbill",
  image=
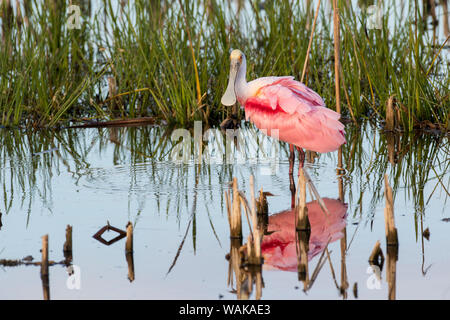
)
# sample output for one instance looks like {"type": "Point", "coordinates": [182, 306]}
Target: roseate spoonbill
{"type": "Point", "coordinates": [287, 109]}
{"type": "Point", "coordinates": [279, 246]}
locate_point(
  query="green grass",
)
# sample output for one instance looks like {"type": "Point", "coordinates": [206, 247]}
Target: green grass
{"type": "Point", "coordinates": [50, 75]}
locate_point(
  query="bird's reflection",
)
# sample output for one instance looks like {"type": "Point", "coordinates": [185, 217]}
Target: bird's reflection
{"type": "Point", "coordinates": [279, 245]}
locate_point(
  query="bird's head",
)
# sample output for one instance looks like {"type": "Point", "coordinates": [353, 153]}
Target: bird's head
{"type": "Point", "coordinates": [236, 60]}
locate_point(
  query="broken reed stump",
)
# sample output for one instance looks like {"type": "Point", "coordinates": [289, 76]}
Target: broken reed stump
{"type": "Point", "coordinates": [245, 261]}
{"type": "Point", "coordinates": [344, 278]}
{"type": "Point", "coordinates": [262, 207]}
{"type": "Point", "coordinates": [391, 230]}
{"type": "Point", "coordinates": [44, 268]}
{"type": "Point", "coordinates": [130, 262]}
{"type": "Point", "coordinates": [311, 156]}
{"type": "Point", "coordinates": [112, 92]}
{"type": "Point", "coordinates": [302, 265]}
{"type": "Point", "coordinates": [234, 212]}
{"type": "Point", "coordinates": [254, 241]}
{"type": "Point", "coordinates": [259, 284]}
{"type": "Point", "coordinates": [391, 240]}
{"type": "Point", "coordinates": [302, 211]}
{"type": "Point", "coordinates": [377, 257]}
{"type": "Point", "coordinates": [235, 260]}
{"type": "Point", "coordinates": [129, 251]}
{"type": "Point", "coordinates": [67, 248]}
{"type": "Point", "coordinates": [235, 256]}
{"type": "Point", "coordinates": [129, 243]}
{"type": "Point", "coordinates": [355, 290]}
{"type": "Point", "coordinates": [391, 270]}
{"type": "Point", "coordinates": [303, 229]}
{"type": "Point", "coordinates": [392, 115]}
{"type": "Point", "coordinates": [251, 279]}
{"type": "Point", "coordinates": [392, 124]}
{"type": "Point", "coordinates": [392, 142]}
{"type": "Point", "coordinates": [262, 211]}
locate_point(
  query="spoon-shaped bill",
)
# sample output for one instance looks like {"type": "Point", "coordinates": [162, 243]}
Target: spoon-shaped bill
{"type": "Point", "coordinates": [229, 97]}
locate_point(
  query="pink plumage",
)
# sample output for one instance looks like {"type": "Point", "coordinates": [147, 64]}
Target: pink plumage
{"type": "Point", "coordinates": [293, 113]}
{"type": "Point", "coordinates": [286, 109]}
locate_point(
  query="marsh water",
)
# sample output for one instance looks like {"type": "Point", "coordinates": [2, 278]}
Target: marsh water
{"type": "Point", "coordinates": [88, 178]}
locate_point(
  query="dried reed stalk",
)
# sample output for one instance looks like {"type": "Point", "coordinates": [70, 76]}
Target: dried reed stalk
{"type": "Point", "coordinates": [391, 231]}
{"type": "Point", "coordinates": [310, 42]}
{"type": "Point", "coordinates": [391, 121]}
{"type": "Point", "coordinates": [336, 33]}
{"type": "Point", "coordinates": [67, 248]}
{"type": "Point", "coordinates": [129, 242]}
{"type": "Point", "coordinates": [391, 270]}
{"type": "Point", "coordinates": [44, 268]}
{"type": "Point", "coordinates": [376, 254]}
{"type": "Point", "coordinates": [130, 262]}
{"type": "Point", "coordinates": [262, 207]}
{"type": "Point", "coordinates": [235, 216]}
{"type": "Point", "coordinates": [302, 211]}
{"type": "Point", "coordinates": [254, 242]}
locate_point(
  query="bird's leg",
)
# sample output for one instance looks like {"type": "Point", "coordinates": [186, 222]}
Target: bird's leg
{"type": "Point", "coordinates": [301, 158]}
{"type": "Point", "coordinates": [291, 174]}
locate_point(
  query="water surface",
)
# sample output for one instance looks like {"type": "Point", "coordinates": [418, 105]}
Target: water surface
{"type": "Point", "coordinates": [88, 177]}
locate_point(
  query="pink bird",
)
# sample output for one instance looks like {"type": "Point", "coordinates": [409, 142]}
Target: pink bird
{"type": "Point", "coordinates": [279, 247]}
{"type": "Point", "coordinates": [287, 109]}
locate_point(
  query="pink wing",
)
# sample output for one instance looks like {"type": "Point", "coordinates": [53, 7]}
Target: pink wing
{"type": "Point", "coordinates": [292, 112]}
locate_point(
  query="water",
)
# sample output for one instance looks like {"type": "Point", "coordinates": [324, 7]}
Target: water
{"type": "Point", "coordinates": [90, 177]}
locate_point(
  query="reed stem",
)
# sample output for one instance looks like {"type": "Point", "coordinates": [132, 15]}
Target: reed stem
{"type": "Point", "coordinates": [44, 268]}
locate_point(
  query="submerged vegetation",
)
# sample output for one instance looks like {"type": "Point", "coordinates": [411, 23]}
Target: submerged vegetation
{"type": "Point", "coordinates": [169, 59]}
{"type": "Point", "coordinates": [31, 161]}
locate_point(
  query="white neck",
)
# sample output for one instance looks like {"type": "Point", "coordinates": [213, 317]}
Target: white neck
{"type": "Point", "coordinates": [240, 85]}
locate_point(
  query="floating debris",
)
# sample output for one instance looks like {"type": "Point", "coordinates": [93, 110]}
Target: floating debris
{"type": "Point", "coordinates": [116, 123]}
{"type": "Point", "coordinates": [98, 236]}
{"type": "Point", "coordinates": [16, 263]}
{"type": "Point", "coordinates": [10, 263]}
{"type": "Point", "coordinates": [28, 258]}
